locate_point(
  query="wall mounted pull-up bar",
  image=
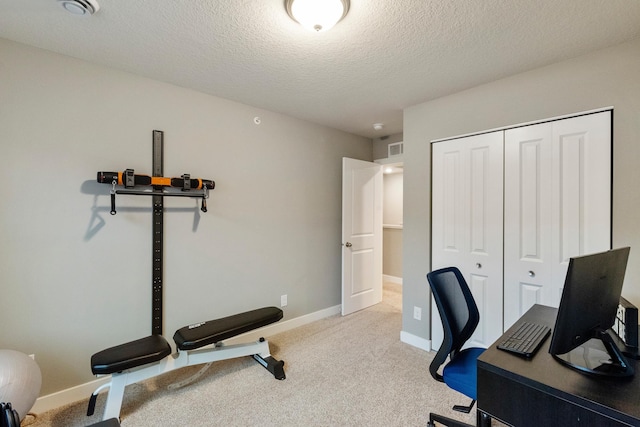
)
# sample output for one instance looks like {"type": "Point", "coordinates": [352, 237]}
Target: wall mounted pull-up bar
{"type": "Point", "coordinates": [130, 180]}
{"type": "Point", "coordinates": [159, 186]}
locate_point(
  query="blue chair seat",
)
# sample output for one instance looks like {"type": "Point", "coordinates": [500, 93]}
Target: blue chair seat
{"type": "Point", "coordinates": [460, 373]}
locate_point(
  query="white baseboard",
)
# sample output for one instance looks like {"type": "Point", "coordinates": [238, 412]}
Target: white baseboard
{"type": "Point", "coordinates": [83, 391]}
{"type": "Point", "coordinates": [287, 325]}
{"type": "Point", "coordinates": [415, 341]}
{"type": "Point", "coordinates": [392, 279]}
{"type": "Point", "coordinates": [70, 395]}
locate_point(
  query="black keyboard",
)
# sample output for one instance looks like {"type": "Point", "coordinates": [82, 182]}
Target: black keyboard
{"type": "Point", "coordinates": [525, 340]}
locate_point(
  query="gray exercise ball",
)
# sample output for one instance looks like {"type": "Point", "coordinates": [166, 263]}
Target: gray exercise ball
{"type": "Point", "coordinates": [20, 381]}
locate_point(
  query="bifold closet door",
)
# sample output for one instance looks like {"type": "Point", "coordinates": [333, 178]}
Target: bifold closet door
{"type": "Point", "coordinates": [467, 225]}
{"type": "Point", "coordinates": [527, 219]}
{"type": "Point", "coordinates": [557, 205]}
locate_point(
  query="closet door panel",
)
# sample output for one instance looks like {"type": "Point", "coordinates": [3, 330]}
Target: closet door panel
{"type": "Point", "coordinates": [527, 222]}
{"type": "Point", "coordinates": [450, 204]}
{"type": "Point", "coordinates": [581, 191]}
{"type": "Point", "coordinates": [467, 224]}
{"type": "Point", "coordinates": [557, 205]}
{"type": "Point", "coordinates": [484, 268]}
{"type": "Point", "coordinates": [531, 207]}
{"type": "Point", "coordinates": [452, 212]}
{"type": "Point", "coordinates": [448, 216]}
{"type": "Point", "coordinates": [569, 198]}
{"type": "Point", "coordinates": [481, 286]}
{"type": "Point", "coordinates": [479, 200]}
{"type": "Point", "coordinates": [529, 295]}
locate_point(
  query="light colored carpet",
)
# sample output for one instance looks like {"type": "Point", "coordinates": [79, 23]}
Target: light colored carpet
{"type": "Point", "coordinates": [341, 371]}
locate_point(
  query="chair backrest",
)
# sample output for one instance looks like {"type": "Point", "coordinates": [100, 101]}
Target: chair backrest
{"type": "Point", "coordinates": [458, 312]}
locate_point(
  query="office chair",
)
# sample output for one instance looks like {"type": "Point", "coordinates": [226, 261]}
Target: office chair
{"type": "Point", "coordinates": [460, 318]}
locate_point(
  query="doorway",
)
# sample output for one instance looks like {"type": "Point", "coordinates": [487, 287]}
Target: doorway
{"type": "Point", "coordinates": [392, 224]}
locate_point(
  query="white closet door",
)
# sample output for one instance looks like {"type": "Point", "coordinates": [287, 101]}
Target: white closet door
{"type": "Point", "coordinates": [557, 205]}
{"type": "Point", "coordinates": [581, 192]}
{"type": "Point", "coordinates": [527, 219]}
{"type": "Point", "coordinates": [467, 217]}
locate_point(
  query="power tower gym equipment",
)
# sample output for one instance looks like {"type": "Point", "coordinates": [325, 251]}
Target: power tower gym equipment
{"type": "Point", "coordinates": [199, 343]}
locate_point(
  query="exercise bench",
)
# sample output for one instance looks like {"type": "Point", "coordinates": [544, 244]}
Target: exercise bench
{"type": "Point", "coordinates": [200, 343]}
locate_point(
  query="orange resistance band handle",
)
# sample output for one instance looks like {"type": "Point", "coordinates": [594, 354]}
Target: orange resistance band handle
{"type": "Point", "coordinates": [161, 181]}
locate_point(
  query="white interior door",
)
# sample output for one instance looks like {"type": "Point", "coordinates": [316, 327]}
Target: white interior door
{"type": "Point", "coordinates": [361, 234]}
{"type": "Point", "coordinates": [467, 225]}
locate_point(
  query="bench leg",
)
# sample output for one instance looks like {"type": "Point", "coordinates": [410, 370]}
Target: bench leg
{"type": "Point", "coordinates": [94, 397]}
{"type": "Point", "coordinates": [276, 367]}
{"type": "Point", "coordinates": [120, 380]}
{"type": "Point", "coordinates": [259, 350]}
{"type": "Point", "coordinates": [116, 395]}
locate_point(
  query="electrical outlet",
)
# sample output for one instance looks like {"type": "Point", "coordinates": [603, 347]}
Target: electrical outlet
{"type": "Point", "coordinates": [417, 313]}
{"type": "Point", "coordinates": [283, 301]}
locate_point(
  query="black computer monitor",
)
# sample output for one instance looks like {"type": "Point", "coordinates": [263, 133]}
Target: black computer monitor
{"type": "Point", "coordinates": [587, 310]}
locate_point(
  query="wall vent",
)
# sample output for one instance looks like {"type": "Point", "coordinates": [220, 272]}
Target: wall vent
{"type": "Point", "coordinates": [395, 149]}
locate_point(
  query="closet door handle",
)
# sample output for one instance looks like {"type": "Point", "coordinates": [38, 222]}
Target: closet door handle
{"type": "Point", "coordinates": [478, 265]}
{"type": "Point", "coordinates": [532, 274]}
{"type": "Point", "coordinates": [348, 244]}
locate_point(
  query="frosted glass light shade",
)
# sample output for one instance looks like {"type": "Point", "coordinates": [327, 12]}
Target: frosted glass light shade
{"type": "Point", "coordinates": [317, 15]}
{"type": "Point", "coordinates": [80, 7]}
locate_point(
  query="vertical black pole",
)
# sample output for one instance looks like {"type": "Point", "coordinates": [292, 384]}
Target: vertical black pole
{"type": "Point", "coordinates": [158, 212]}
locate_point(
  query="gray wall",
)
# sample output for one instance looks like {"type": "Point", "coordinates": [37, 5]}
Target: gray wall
{"type": "Point", "coordinates": [76, 280]}
{"type": "Point", "coordinates": [392, 252]}
{"type": "Point", "coordinates": [605, 78]}
{"type": "Point", "coordinates": [380, 145]}
{"type": "Point", "coordinates": [393, 195]}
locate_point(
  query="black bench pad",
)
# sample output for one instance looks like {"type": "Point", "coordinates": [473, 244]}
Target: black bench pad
{"type": "Point", "coordinates": [129, 355]}
{"type": "Point", "coordinates": [213, 331]}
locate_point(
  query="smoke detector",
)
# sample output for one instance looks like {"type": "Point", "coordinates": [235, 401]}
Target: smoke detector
{"type": "Point", "coordinates": [80, 7]}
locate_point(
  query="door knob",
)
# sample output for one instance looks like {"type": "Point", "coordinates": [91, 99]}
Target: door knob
{"type": "Point", "coordinates": [478, 265]}
{"type": "Point", "coordinates": [348, 244]}
{"type": "Point", "coordinates": [532, 274]}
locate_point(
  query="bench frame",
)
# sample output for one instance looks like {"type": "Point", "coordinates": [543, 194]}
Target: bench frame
{"type": "Point", "coordinates": [119, 380]}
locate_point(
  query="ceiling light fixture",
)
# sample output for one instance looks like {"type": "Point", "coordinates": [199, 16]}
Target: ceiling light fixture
{"type": "Point", "coordinates": [80, 7]}
{"type": "Point", "coordinates": [378, 126]}
{"type": "Point", "coordinates": [317, 15]}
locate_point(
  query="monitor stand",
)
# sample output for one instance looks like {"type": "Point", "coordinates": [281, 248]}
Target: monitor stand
{"type": "Point", "coordinates": [628, 352]}
{"type": "Point", "coordinates": [599, 356]}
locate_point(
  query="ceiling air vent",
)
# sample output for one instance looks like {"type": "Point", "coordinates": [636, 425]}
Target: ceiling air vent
{"type": "Point", "coordinates": [395, 149]}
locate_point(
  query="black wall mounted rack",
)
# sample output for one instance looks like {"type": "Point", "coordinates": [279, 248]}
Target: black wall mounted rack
{"type": "Point", "coordinates": [160, 188]}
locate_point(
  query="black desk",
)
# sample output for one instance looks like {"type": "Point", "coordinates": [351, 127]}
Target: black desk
{"type": "Point", "coordinates": [542, 392]}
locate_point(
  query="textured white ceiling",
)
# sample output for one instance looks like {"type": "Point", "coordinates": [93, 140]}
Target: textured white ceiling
{"type": "Point", "coordinates": [384, 56]}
